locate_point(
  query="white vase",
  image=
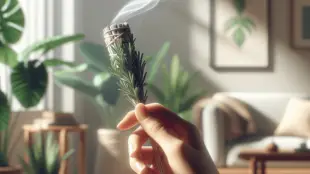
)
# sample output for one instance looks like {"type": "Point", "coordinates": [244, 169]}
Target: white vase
{"type": "Point", "coordinates": [112, 152]}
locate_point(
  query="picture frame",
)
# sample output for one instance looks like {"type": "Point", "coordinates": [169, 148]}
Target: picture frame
{"type": "Point", "coordinates": [300, 27]}
{"type": "Point", "coordinates": [244, 48]}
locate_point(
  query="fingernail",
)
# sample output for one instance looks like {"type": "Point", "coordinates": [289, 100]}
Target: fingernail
{"type": "Point", "coordinates": [141, 112]}
{"type": "Point", "coordinates": [117, 126]}
{"type": "Point", "coordinates": [140, 166]}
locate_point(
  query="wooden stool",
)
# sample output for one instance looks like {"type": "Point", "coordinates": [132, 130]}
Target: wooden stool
{"type": "Point", "coordinates": [63, 142]}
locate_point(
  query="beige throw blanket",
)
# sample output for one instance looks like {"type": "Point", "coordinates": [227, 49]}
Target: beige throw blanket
{"type": "Point", "coordinates": [237, 119]}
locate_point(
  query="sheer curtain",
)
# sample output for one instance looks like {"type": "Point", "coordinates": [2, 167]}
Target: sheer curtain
{"type": "Point", "coordinates": [45, 18]}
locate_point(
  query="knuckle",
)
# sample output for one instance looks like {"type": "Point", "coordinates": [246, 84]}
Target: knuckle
{"type": "Point", "coordinates": [177, 147]}
{"type": "Point", "coordinates": [192, 128]}
{"type": "Point", "coordinates": [155, 127]}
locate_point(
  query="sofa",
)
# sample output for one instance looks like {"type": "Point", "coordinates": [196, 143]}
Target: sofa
{"type": "Point", "coordinates": [267, 110]}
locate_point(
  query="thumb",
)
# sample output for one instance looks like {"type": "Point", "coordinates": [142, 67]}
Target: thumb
{"type": "Point", "coordinates": [154, 127]}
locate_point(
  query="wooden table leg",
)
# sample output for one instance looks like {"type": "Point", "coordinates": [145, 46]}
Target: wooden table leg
{"type": "Point", "coordinates": [263, 167]}
{"type": "Point", "coordinates": [27, 140]}
{"type": "Point", "coordinates": [253, 166]}
{"type": "Point", "coordinates": [82, 153]}
{"type": "Point", "coordinates": [63, 147]}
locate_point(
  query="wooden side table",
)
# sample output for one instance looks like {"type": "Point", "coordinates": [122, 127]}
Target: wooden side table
{"type": "Point", "coordinates": [63, 132]}
{"type": "Point", "coordinates": [262, 157]}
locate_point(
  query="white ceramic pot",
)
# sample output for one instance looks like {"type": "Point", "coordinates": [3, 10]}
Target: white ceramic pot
{"type": "Point", "coordinates": [112, 152]}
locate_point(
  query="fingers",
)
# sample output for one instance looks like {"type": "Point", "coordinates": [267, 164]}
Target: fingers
{"type": "Point", "coordinates": [136, 140]}
{"type": "Point", "coordinates": [155, 126]}
{"type": "Point", "coordinates": [154, 109]}
{"type": "Point", "coordinates": [141, 164]}
{"type": "Point", "coordinates": [145, 158]}
{"type": "Point", "coordinates": [149, 170]}
{"type": "Point", "coordinates": [128, 121]}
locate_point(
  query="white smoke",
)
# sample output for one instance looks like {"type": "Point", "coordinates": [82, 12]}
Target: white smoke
{"type": "Point", "coordinates": [134, 8]}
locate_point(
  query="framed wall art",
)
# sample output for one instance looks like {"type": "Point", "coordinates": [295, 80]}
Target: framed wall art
{"type": "Point", "coordinates": [240, 35]}
{"type": "Point", "coordinates": [300, 24]}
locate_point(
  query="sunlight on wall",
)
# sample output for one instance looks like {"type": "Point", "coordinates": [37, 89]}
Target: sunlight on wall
{"type": "Point", "coordinates": [290, 66]}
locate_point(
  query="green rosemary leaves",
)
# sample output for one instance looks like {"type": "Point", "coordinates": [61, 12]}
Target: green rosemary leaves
{"type": "Point", "coordinates": [127, 64]}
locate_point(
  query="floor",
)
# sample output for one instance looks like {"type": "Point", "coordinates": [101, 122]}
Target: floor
{"type": "Point", "coordinates": [268, 171]}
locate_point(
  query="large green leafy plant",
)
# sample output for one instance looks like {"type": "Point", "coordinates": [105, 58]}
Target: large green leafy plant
{"type": "Point", "coordinates": [174, 90]}
{"type": "Point", "coordinates": [102, 89]}
{"type": "Point", "coordinates": [44, 156]}
{"type": "Point", "coordinates": [11, 26]}
{"type": "Point", "coordinates": [28, 69]}
{"type": "Point", "coordinates": [239, 24]}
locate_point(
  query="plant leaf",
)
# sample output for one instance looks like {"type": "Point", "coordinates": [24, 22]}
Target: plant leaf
{"type": "Point", "coordinates": [8, 56]}
{"type": "Point", "coordinates": [4, 111]}
{"type": "Point", "coordinates": [239, 37]}
{"type": "Point", "coordinates": [156, 62]}
{"type": "Point", "coordinates": [12, 21]}
{"type": "Point", "coordinates": [96, 55]}
{"type": "Point", "coordinates": [175, 71]}
{"type": "Point", "coordinates": [157, 92]}
{"type": "Point", "coordinates": [71, 80]}
{"type": "Point", "coordinates": [58, 62]}
{"type": "Point", "coordinates": [240, 6]}
{"type": "Point", "coordinates": [247, 23]}
{"type": "Point", "coordinates": [167, 86]}
{"type": "Point", "coordinates": [148, 58]}
{"type": "Point", "coordinates": [51, 152]}
{"type": "Point", "coordinates": [68, 154]}
{"type": "Point", "coordinates": [109, 90]}
{"type": "Point", "coordinates": [48, 44]}
{"type": "Point", "coordinates": [100, 78]}
{"type": "Point", "coordinates": [231, 23]}
{"type": "Point", "coordinates": [190, 101]}
{"type": "Point", "coordinates": [29, 83]}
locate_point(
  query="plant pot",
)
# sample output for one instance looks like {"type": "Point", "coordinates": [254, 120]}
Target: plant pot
{"type": "Point", "coordinates": [112, 152]}
{"type": "Point", "coordinates": [11, 170]}
{"type": "Point", "coordinates": [59, 118]}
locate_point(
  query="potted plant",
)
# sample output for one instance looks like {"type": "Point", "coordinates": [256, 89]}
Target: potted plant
{"type": "Point", "coordinates": [175, 90]}
{"type": "Point", "coordinates": [102, 91]}
{"type": "Point", "coordinates": [43, 156]}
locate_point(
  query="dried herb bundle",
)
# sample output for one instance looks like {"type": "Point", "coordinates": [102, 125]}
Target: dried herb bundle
{"type": "Point", "coordinates": [127, 64]}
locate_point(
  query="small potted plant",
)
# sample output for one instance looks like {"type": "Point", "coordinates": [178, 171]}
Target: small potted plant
{"type": "Point", "coordinates": [43, 156]}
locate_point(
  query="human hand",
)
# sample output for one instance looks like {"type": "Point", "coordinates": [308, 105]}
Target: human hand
{"type": "Point", "coordinates": [182, 147]}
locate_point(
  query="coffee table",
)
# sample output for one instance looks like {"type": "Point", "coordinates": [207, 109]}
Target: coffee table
{"type": "Point", "coordinates": [262, 157]}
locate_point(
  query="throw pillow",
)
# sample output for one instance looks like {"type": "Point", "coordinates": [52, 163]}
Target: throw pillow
{"type": "Point", "coordinates": [296, 120]}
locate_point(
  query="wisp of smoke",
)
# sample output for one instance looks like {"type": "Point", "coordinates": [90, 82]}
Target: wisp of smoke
{"type": "Point", "coordinates": [134, 8]}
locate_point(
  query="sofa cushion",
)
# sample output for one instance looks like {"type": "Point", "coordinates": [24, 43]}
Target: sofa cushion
{"type": "Point", "coordinates": [267, 109]}
{"type": "Point", "coordinates": [296, 120]}
{"type": "Point", "coordinates": [260, 143]}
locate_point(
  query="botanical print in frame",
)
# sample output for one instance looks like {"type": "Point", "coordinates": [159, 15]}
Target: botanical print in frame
{"type": "Point", "coordinates": [240, 35]}
{"type": "Point", "coordinates": [300, 24]}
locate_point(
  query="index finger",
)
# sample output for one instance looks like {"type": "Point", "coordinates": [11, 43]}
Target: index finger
{"type": "Point", "coordinates": [154, 109]}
